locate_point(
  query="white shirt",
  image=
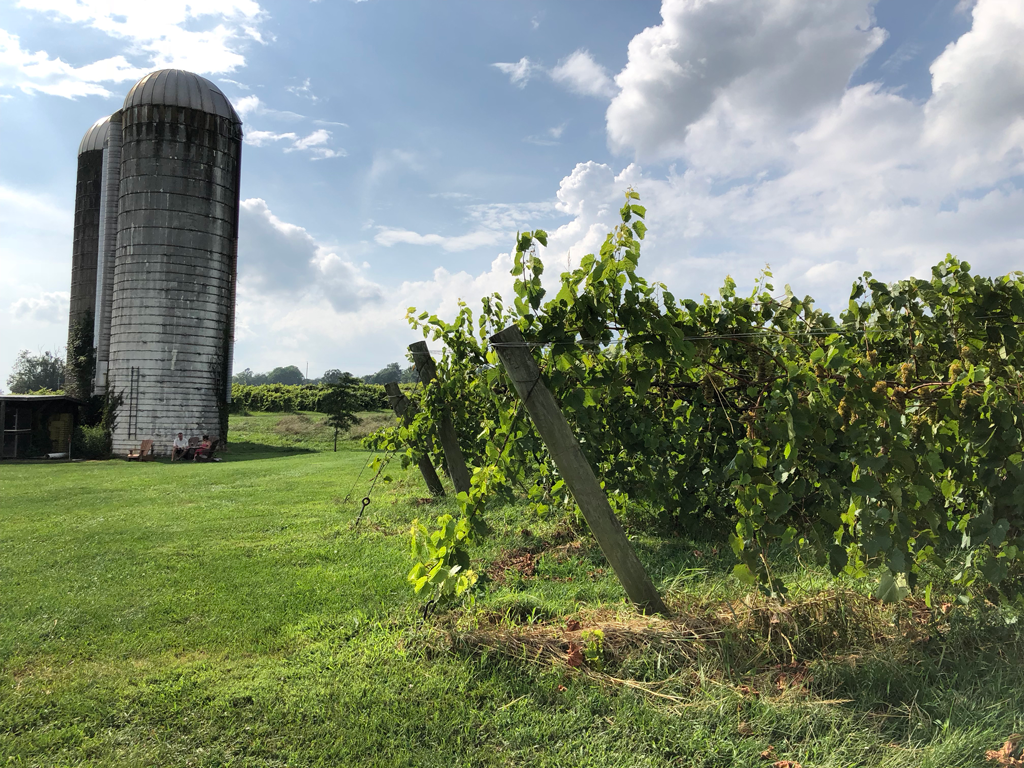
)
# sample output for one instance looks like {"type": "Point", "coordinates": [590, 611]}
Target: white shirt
{"type": "Point", "coordinates": [181, 442]}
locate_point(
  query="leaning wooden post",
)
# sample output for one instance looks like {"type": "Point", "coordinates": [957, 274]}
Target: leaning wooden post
{"type": "Point", "coordinates": [565, 450]}
{"type": "Point", "coordinates": [446, 429]}
{"type": "Point", "coordinates": [401, 405]}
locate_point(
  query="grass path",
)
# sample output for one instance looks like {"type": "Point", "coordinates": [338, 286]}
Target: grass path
{"type": "Point", "coordinates": [227, 614]}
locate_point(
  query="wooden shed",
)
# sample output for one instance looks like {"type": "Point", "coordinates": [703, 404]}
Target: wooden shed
{"type": "Point", "coordinates": [35, 426]}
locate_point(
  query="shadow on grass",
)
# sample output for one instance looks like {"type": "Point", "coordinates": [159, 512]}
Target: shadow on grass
{"type": "Point", "coordinates": [236, 451]}
{"type": "Point", "coordinates": [240, 450]}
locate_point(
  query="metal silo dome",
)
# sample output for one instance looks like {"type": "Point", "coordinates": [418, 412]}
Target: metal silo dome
{"type": "Point", "coordinates": [176, 87]}
{"type": "Point", "coordinates": [172, 324]}
{"type": "Point", "coordinates": [95, 136]}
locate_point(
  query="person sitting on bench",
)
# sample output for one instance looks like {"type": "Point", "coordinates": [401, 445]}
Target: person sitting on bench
{"type": "Point", "coordinates": [180, 448]}
{"type": "Point", "coordinates": [203, 451]}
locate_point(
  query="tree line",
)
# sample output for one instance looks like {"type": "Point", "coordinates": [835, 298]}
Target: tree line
{"type": "Point", "coordinates": [47, 372]}
{"type": "Point", "coordinates": [292, 375]}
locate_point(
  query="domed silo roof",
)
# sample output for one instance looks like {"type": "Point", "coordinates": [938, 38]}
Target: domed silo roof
{"type": "Point", "coordinates": [95, 136]}
{"type": "Point", "coordinates": [176, 87]}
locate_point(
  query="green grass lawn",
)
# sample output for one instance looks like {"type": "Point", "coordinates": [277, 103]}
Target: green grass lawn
{"type": "Point", "coordinates": [230, 613]}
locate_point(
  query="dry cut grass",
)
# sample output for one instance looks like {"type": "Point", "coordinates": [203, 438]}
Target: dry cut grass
{"type": "Point", "coordinates": [755, 647]}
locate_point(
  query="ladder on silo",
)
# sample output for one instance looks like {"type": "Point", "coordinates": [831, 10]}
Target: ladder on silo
{"type": "Point", "coordinates": [134, 377]}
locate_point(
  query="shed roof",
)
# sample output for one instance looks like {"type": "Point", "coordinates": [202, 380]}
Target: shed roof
{"type": "Point", "coordinates": [183, 89]}
{"type": "Point", "coordinates": [40, 399]}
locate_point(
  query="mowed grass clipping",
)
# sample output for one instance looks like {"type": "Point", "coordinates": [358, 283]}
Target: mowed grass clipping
{"type": "Point", "coordinates": [231, 614]}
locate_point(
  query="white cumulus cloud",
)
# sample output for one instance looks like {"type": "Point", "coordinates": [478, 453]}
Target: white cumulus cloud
{"type": "Point", "coordinates": [777, 159]}
{"type": "Point", "coordinates": [51, 307]}
{"type": "Point", "coordinates": [729, 62]}
{"type": "Point", "coordinates": [281, 261]}
{"type": "Point", "coordinates": [36, 72]}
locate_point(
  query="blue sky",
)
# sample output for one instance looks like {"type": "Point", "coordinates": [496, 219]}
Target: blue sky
{"type": "Point", "coordinates": [394, 148]}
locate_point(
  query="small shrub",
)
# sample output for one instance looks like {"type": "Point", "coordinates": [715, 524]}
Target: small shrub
{"type": "Point", "coordinates": [90, 443]}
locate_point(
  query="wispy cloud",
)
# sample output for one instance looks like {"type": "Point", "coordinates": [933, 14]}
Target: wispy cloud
{"type": "Point", "coordinates": [235, 83]}
{"type": "Point", "coordinates": [388, 236]}
{"type": "Point", "coordinates": [451, 195]}
{"type": "Point", "coordinates": [578, 72]}
{"type": "Point", "coordinates": [252, 105]}
{"type": "Point", "coordinates": [908, 51]}
{"type": "Point", "coordinates": [519, 72]}
{"type": "Point", "coordinates": [315, 143]}
{"type": "Point", "coordinates": [492, 224]}
{"type": "Point", "coordinates": [315, 139]}
{"type": "Point", "coordinates": [262, 138]}
{"type": "Point", "coordinates": [387, 161]}
{"type": "Point", "coordinates": [304, 90]}
{"type": "Point", "coordinates": [549, 138]}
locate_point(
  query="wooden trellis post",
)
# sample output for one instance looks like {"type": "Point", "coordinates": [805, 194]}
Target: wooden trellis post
{"type": "Point", "coordinates": [565, 451]}
{"type": "Point", "coordinates": [457, 468]}
{"type": "Point", "coordinates": [402, 405]}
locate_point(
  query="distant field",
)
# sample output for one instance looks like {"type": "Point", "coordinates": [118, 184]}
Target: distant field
{"type": "Point", "coordinates": [229, 614]}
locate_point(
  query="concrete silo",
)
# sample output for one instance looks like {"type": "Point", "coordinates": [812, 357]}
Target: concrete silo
{"type": "Point", "coordinates": [171, 328]}
{"type": "Point", "coordinates": [85, 249]}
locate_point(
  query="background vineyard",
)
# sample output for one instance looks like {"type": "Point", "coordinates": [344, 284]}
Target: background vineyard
{"type": "Point", "coordinates": [300, 397]}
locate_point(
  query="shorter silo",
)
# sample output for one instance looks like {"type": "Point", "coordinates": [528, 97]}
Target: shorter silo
{"type": "Point", "coordinates": [81, 351]}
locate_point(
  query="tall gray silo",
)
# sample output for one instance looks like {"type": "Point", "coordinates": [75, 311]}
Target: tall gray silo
{"type": "Point", "coordinates": [171, 332]}
{"type": "Point", "coordinates": [85, 248]}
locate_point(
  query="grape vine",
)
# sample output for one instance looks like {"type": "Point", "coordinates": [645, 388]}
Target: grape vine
{"type": "Point", "coordinates": [887, 441]}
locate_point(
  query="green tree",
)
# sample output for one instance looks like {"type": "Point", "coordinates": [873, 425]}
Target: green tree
{"type": "Point", "coordinates": [386, 375]}
{"type": "Point", "coordinates": [333, 376]}
{"type": "Point", "coordinates": [248, 377]}
{"type": "Point", "coordinates": [32, 372]}
{"type": "Point", "coordinates": [288, 375]}
{"type": "Point", "coordinates": [409, 376]}
{"type": "Point", "coordinates": [340, 403]}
